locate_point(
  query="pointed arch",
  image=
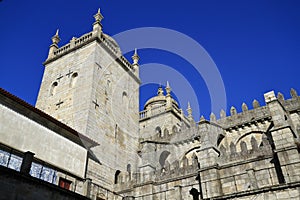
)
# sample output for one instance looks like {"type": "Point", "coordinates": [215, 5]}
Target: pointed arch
{"type": "Point", "coordinates": [166, 132]}
{"type": "Point", "coordinates": [254, 143]}
{"type": "Point", "coordinates": [163, 157]}
{"type": "Point", "coordinates": [244, 148]}
{"type": "Point", "coordinates": [232, 148]}
{"type": "Point", "coordinates": [222, 149]}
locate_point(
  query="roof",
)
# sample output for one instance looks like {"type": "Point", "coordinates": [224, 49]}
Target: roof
{"type": "Point", "coordinates": [20, 106]}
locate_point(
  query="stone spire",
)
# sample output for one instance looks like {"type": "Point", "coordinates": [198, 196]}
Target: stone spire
{"type": "Point", "coordinates": [97, 24]}
{"type": "Point", "coordinates": [168, 89]}
{"type": "Point", "coordinates": [168, 96]}
{"type": "Point", "coordinates": [135, 64]}
{"type": "Point", "coordinates": [190, 111]}
{"type": "Point", "coordinates": [135, 58]}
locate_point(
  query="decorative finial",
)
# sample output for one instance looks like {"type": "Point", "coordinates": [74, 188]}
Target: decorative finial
{"type": "Point", "coordinates": [160, 91]}
{"type": "Point", "coordinates": [189, 110]}
{"type": "Point", "coordinates": [293, 93]}
{"type": "Point", "coordinates": [280, 97]}
{"type": "Point", "coordinates": [255, 104]}
{"type": "Point", "coordinates": [135, 57]}
{"type": "Point", "coordinates": [168, 89]}
{"type": "Point", "coordinates": [222, 114]}
{"type": "Point", "coordinates": [233, 111]}
{"type": "Point", "coordinates": [55, 38]}
{"type": "Point", "coordinates": [212, 117]}
{"type": "Point", "coordinates": [98, 18]}
{"type": "Point", "coordinates": [244, 107]}
{"type": "Point", "coordinates": [202, 119]}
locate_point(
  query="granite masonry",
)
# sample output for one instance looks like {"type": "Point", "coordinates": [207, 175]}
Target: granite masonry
{"type": "Point", "coordinates": [87, 135]}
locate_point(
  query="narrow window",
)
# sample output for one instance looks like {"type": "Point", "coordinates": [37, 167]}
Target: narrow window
{"type": "Point", "coordinates": [158, 130]}
{"type": "Point", "coordinates": [166, 132]}
{"type": "Point", "coordinates": [64, 183]}
{"type": "Point", "coordinates": [195, 194]}
{"type": "Point", "coordinates": [129, 168]}
{"type": "Point", "coordinates": [73, 79]}
{"type": "Point", "coordinates": [53, 88]}
{"type": "Point", "coordinates": [117, 176]}
{"type": "Point", "coordinates": [129, 171]}
{"type": "Point", "coordinates": [125, 101]}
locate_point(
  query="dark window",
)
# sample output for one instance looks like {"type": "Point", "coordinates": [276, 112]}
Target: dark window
{"type": "Point", "coordinates": [64, 183]}
{"type": "Point", "coordinates": [194, 192]}
{"type": "Point", "coordinates": [117, 176]}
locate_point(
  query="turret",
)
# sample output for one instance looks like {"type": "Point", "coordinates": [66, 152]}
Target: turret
{"type": "Point", "coordinates": [135, 64]}
{"type": "Point", "coordinates": [97, 26]}
{"type": "Point", "coordinates": [54, 46]}
{"type": "Point", "coordinates": [168, 96]}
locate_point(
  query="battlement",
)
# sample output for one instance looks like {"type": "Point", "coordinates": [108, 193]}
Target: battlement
{"type": "Point", "coordinates": [179, 168]}
{"type": "Point", "coordinates": [256, 115]}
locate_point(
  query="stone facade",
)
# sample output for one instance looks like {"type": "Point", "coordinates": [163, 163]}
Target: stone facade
{"type": "Point", "coordinates": [157, 153]}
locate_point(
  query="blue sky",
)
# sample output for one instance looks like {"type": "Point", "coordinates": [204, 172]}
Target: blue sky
{"type": "Point", "coordinates": [254, 44]}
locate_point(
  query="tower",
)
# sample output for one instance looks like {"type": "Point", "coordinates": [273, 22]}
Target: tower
{"type": "Point", "coordinates": [91, 87]}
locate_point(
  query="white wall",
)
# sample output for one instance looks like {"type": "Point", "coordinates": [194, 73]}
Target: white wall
{"type": "Point", "coordinates": [24, 134]}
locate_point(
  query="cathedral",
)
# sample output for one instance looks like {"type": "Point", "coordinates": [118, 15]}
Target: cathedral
{"type": "Point", "coordinates": [87, 139]}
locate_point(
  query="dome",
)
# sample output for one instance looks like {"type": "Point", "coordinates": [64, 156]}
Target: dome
{"type": "Point", "coordinates": [159, 100]}
{"type": "Point", "coordinates": [156, 101]}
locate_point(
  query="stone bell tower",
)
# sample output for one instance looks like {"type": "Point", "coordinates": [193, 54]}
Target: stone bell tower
{"type": "Point", "coordinates": [91, 87]}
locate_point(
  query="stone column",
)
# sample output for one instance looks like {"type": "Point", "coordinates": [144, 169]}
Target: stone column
{"type": "Point", "coordinates": [26, 163]}
{"type": "Point", "coordinates": [87, 187]}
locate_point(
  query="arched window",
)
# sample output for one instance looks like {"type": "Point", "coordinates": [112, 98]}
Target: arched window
{"type": "Point", "coordinates": [73, 79]}
{"type": "Point", "coordinates": [166, 132]}
{"type": "Point", "coordinates": [163, 157]}
{"type": "Point", "coordinates": [232, 148]}
{"type": "Point", "coordinates": [244, 149]}
{"type": "Point", "coordinates": [129, 168]}
{"type": "Point", "coordinates": [129, 171]}
{"type": "Point", "coordinates": [125, 100]}
{"type": "Point", "coordinates": [158, 130]}
{"type": "Point", "coordinates": [117, 174]}
{"type": "Point", "coordinates": [174, 129]}
{"type": "Point", "coordinates": [53, 88]}
{"type": "Point", "coordinates": [195, 194]}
